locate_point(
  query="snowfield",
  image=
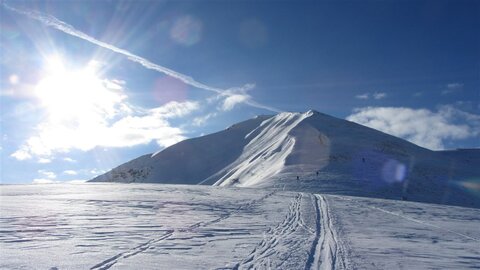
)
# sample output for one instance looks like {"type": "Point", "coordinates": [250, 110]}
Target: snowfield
{"type": "Point", "coordinates": [151, 226]}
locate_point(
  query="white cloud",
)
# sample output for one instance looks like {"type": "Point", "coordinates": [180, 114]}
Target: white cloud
{"type": "Point", "coordinates": [109, 121]}
{"type": "Point", "coordinates": [135, 130]}
{"type": "Point", "coordinates": [114, 84]}
{"type": "Point", "coordinates": [231, 101]}
{"type": "Point", "coordinates": [175, 109]}
{"type": "Point", "coordinates": [201, 120]}
{"type": "Point", "coordinates": [379, 95]}
{"type": "Point", "coordinates": [452, 88]}
{"type": "Point", "coordinates": [22, 154]}
{"type": "Point", "coordinates": [455, 86]}
{"type": "Point", "coordinates": [363, 96]}
{"type": "Point", "coordinates": [44, 160]}
{"type": "Point", "coordinates": [51, 181]}
{"type": "Point", "coordinates": [79, 181]}
{"type": "Point", "coordinates": [43, 181]}
{"type": "Point", "coordinates": [421, 126]}
{"type": "Point", "coordinates": [376, 95]}
{"type": "Point", "coordinates": [47, 174]}
{"type": "Point", "coordinates": [70, 172]}
{"type": "Point", "coordinates": [67, 159]}
{"type": "Point", "coordinates": [97, 171]}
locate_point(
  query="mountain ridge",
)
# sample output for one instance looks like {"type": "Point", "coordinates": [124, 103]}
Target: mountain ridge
{"type": "Point", "coordinates": [310, 151]}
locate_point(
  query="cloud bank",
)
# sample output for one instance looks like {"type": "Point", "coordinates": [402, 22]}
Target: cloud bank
{"type": "Point", "coordinates": [423, 127]}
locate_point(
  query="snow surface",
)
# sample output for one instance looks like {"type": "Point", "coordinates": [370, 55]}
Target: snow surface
{"type": "Point", "coordinates": [148, 226]}
{"type": "Point", "coordinates": [312, 152]}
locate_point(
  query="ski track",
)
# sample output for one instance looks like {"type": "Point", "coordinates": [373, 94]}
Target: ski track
{"type": "Point", "coordinates": [260, 257]}
{"type": "Point", "coordinates": [416, 220]}
{"type": "Point", "coordinates": [108, 263]}
{"type": "Point", "coordinates": [327, 251]}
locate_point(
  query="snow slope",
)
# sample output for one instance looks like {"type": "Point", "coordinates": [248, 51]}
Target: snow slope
{"type": "Point", "coordinates": [311, 152]}
{"type": "Point", "coordinates": [144, 226]}
{"type": "Point", "coordinates": [187, 162]}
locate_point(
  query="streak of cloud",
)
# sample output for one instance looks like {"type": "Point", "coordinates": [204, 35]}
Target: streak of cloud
{"type": "Point", "coordinates": [55, 23]}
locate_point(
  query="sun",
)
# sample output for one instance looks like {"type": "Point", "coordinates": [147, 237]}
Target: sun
{"type": "Point", "coordinates": [74, 94]}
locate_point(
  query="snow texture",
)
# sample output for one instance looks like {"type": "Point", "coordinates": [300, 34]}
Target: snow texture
{"type": "Point", "coordinates": [145, 226]}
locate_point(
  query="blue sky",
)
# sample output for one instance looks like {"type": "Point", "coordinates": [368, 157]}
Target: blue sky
{"type": "Point", "coordinates": [88, 85]}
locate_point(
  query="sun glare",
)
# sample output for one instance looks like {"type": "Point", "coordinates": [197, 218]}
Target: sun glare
{"type": "Point", "coordinates": [74, 94]}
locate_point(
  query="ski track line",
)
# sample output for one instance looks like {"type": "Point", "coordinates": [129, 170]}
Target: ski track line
{"type": "Point", "coordinates": [416, 220]}
{"type": "Point", "coordinates": [313, 255]}
{"type": "Point", "coordinates": [106, 264]}
{"type": "Point", "coordinates": [327, 251]}
{"type": "Point", "coordinates": [424, 223]}
{"type": "Point", "coordinates": [259, 258]}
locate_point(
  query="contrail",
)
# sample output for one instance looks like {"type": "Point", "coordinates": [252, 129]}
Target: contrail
{"type": "Point", "coordinates": [51, 21]}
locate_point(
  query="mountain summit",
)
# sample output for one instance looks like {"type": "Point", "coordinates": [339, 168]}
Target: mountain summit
{"type": "Point", "coordinates": [310, 151]}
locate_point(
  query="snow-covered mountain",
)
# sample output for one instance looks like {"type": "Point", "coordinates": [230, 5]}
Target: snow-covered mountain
{"type": "Point", "coordinates": [314, 152]}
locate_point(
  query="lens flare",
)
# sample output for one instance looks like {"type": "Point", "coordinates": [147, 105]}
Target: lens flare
{"type": "Point", "coordinates": [186, 31]}
{"type": "Point", "coordinates": [166, 89]}
{"type": "Point", "coordinates": [379, 169]}
{"type": "Point", "coordinates": [394, 171]}
{"type": "Point", "coordinates": [470, 185]}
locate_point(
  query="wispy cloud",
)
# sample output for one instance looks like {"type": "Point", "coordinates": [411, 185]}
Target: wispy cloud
{"type": "Point", "coordinates": [363, 96]}
{"type": "Point", "coordinates": [430, 129]}
{"type": "Point", "coordinates": [418, 94]}
{"type": "Point", "coordinates": [452, 88]}
{"type": "Point", "coordinates": [47, 174]}
{"type": "Point", "coordinates": [231, 101]}
{"type": "Point", "coordinates": [379, 95]}
{"type": "Point", "coordinates": [77, 181]}
{"type": "Point", "coordinates": [375, 95]}
{"type": "Point", "coordinates": [152, 125]}
{"type": "Point", "coordinates": [44, 160]}
{"type": "Point", "coordinates": [21, 154]}
{"type": "Point", "coordinates": [70, 172]}
{"type": "Point", "coordinates": [51, 21]}
{"type": "Point", "coordinates": [201, 120]}
{"type": "Point", "coordinates": [40, 181]}
{"type": "Point", "coordinates": [43, 181]}
{"type": "Point", "coordinates": [97, 171]}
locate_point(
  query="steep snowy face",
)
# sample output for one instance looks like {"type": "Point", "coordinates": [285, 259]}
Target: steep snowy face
{"type": "Point", "coordinates": [269, 147]}
{"type": "Point", "coordinates": [295, 146]}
